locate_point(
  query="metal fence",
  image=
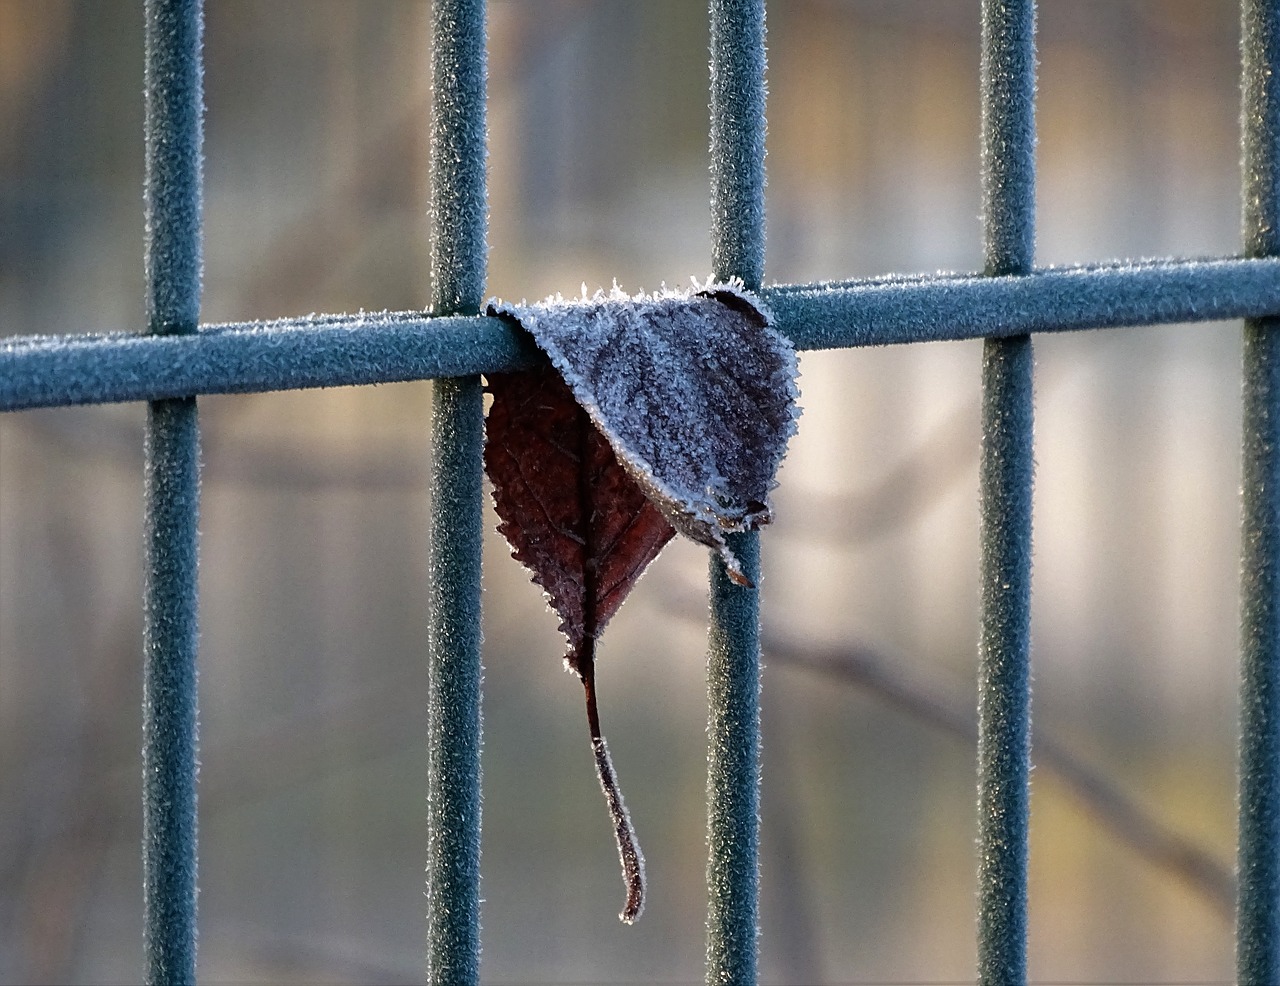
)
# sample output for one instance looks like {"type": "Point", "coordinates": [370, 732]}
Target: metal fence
{"type": "Point", "coordinates": [176, 359]}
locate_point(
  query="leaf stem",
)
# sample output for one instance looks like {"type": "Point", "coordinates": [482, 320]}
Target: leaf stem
{"type": "Point", "coordinates": [583, 659]}
{"type": "Point", "coordinates": [586, 659]}
{"type": "Point", "coordinates": [624, 832]}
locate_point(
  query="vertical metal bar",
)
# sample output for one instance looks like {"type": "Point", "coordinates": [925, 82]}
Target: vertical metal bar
{"type": "Point", "coordinates": [1258, 905]}
{"type": "Point", "coordinates": [459, 216]}
{"type": "Point", "coordinates": [174, 107]}
{"type": "Point", "coordinates": [733, 662]}
{"type": "Point", "coordinates": [1006, 474]}
{"type": "Point", "coordinates": [737, 140]}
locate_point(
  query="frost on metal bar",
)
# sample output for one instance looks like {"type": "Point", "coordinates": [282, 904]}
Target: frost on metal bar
{"type": "Point", "coordinates": [950, 307]}
{"type": "Point", "coordinates": [733, 660]}
{"type": "Point", "coordinates": [1005, 476]}
{"type": "Point", "coordinates": [1258, 905]}
{"type": "Point", "coordinates": [388, 347]}
{"type": "Point", "coordinates": [173, 191]}
{"type": "Point", "coordinates": [459, 214]}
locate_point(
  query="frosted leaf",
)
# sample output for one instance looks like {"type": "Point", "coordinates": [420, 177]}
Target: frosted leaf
{"type": "Point", "coordinates": [695, 391]}
{"type": "Point", "coordinates": [586, 531]}
{"type": "Point", "coordinates": [571, 513]}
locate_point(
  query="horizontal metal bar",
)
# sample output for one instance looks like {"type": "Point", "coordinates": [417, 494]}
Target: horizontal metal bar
{"type": "Point", "coordinates": [1054, 299]}
{"type": "Point", "coordinates": [345, 350]}
{"type": "Point", "coordinates": [291, 354]}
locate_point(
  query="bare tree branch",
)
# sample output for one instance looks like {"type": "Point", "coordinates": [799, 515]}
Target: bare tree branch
{"type": "Point", "coordinates": [1146, 834]}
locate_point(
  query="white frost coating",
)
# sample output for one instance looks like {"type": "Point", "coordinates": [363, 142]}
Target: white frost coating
{"type": "Point", "coordinates": [624, 832]}
{"type": "Point", "coordinates": [695, 390]}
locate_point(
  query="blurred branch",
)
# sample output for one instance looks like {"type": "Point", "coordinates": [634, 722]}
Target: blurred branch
{"type": "Point", "coordinates": [310, 741]}
{"type": "Point", "coordinates": [952, 711]}
{"type": "Point", "coordinates": [1146, 834]}
{"type": "Point", "coordinates": [229, 457]}
{"type": "Point", "coordinates": [940, 461]}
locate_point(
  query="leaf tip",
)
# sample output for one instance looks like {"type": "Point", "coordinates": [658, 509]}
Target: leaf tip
{"type": "Point", "coordinates": [733, 567]}
{"type": "Point", "coordinates": [738, 578]}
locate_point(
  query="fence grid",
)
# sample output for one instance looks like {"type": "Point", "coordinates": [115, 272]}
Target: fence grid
{"type": "Point", "coordinates": [175, 360]}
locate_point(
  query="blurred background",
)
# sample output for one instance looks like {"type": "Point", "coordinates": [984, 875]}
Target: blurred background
{"type": "Point", "coordinates": [314, 514]}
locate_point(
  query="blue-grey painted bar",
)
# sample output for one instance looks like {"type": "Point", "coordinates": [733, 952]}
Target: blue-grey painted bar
{"type": "Point", "coordinates": [174, 108]}
{"type": "Point", "coordinates": [459, 217]}
{"type": "Point", "coordinates": [347, 350]}
{"type": "Point", "coordinates": [733, 659]}
{"type": "Point", "coordinates": [253, 358]}
{"type": "Point", "coordinates": [1258, 905]}
{"type": "Point", "coordinates": [944, 307]}
{"type": "Point", "coordinates": [1005, 475]}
